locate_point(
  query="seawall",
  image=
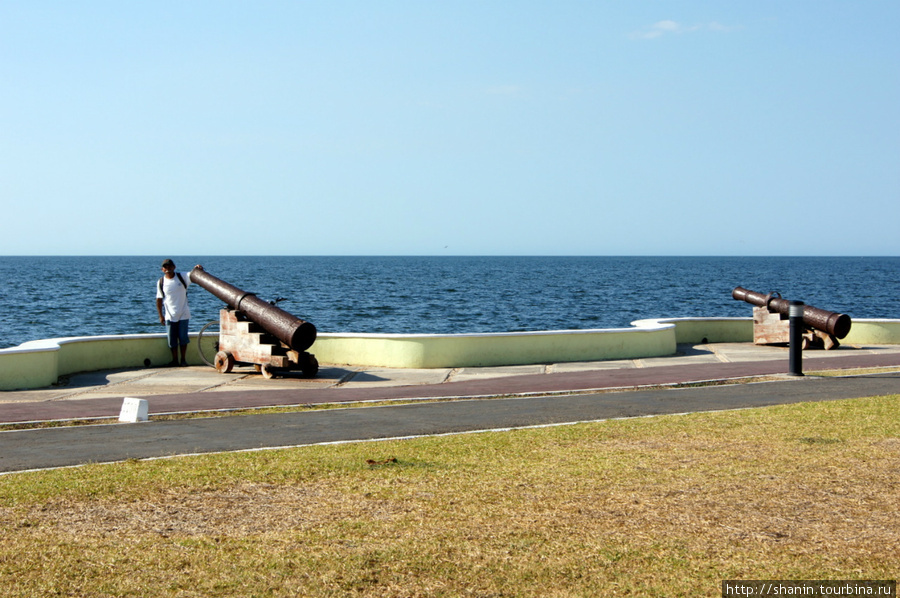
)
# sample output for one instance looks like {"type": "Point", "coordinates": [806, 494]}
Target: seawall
{"type": "Point", "coordinates": [37, 364]}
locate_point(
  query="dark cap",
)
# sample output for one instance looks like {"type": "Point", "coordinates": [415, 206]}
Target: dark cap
{"type": "Point", "coordinates": [167, 263]}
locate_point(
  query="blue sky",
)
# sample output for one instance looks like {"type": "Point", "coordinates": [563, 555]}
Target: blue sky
{"type": "Point", "coordinates": [449, 128]}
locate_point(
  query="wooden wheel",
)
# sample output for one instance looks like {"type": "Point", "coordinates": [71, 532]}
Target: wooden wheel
{"type": "Point", "coordinates": [311, 367]}
{"type": "Point", "coordinates": [267, 371]}
{"type": "Point", "coordinates": [224, 362]}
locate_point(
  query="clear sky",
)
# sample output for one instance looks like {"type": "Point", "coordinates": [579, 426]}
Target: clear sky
{"type": "Point", "coordinates": [450, 128]}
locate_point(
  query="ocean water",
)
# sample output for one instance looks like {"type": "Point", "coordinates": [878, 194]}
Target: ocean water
{"type": "Point", "coordinates": [48, 297]}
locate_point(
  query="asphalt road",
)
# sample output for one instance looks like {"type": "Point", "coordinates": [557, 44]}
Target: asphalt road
{"type": "Point", "coordinates": [59, 447]}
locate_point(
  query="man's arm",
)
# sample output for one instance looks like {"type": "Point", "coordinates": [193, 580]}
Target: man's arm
{"type": "Point", "coordinates": [159, 309]}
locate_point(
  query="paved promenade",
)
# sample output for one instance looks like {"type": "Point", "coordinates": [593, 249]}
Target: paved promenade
{"type": "Point", "coordinates": [528, 395]}
{"type": "Point", "coordinates": [201, 388]}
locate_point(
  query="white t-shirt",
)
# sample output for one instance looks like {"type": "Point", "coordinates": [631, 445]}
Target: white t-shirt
{"type": "Point", "coordinates": [175, 303]}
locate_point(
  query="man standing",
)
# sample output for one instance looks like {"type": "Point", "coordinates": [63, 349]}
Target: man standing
{"type": "Point", "coordinates": [172, 305]}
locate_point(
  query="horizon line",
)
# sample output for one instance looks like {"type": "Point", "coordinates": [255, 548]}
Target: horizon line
{"type": "Point", "coordinates": [415, 255]}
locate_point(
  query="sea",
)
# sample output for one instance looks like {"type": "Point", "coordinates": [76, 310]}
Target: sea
{"type": "Point", "coordinates": [50, 297]}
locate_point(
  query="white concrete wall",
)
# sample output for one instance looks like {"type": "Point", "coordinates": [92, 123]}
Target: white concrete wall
{"type": "Point", "coordinates": [38, 364]}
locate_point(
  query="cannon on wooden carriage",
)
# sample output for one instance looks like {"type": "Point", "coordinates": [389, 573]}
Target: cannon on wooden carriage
{"type": "Point", "coordinates": [257, 332]}
{"type": "Point", "coordinates": [771, 325]}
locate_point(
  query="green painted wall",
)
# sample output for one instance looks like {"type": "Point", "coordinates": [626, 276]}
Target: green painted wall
{"type": "Point", "coordinates": [873, 332]}
{"type": "Point", "coordinates": [28, 369]}
{"type": "Point", "coordinates": [473, 350]}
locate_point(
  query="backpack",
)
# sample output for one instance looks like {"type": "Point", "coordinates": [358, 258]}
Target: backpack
{"type": "Point", "coordinates": [162, 292]}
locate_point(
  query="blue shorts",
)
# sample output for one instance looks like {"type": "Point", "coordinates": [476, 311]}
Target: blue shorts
{"type": "Point", "coordinates": [177, 333]}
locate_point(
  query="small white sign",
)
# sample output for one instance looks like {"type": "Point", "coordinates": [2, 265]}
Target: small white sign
{"type": "Point", "coordinates": [134, 410]}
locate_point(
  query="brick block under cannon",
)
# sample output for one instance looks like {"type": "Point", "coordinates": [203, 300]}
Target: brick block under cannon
{"type": "Point", "coordinates": [256, 331]}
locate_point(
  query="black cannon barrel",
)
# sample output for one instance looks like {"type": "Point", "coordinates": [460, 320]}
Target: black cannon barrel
{"type": "Point", "coordinates": [289, 329]}
{"type": "Point", "coordinates": [835, 324]}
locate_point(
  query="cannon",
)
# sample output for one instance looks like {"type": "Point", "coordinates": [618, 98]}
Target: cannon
{"type": "Point", "coordinates": [255, 331]}
{"type": "Point", "coordinates": [770, 321]}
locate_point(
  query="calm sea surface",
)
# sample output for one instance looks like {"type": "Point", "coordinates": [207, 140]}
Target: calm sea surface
{"type": "Point", "coordinates": [47, 297]}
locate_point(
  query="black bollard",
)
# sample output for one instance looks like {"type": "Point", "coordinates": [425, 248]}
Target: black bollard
{"type": "Point", "coordinates": [795, 313]}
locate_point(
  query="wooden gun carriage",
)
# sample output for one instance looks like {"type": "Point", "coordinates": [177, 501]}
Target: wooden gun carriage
{"type": "Point", "coordinates": [257, 332]}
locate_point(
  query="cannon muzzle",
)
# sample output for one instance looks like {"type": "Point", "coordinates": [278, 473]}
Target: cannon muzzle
{"type": "Point", "coordinates": [835, 324]}
{"type": "Point", "coordinates": [297, 334]}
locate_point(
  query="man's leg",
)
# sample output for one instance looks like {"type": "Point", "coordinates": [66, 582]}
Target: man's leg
{"type": "Point", "coordinates": [183, 340]}
{"type": "Point", "coordinates": [172, 338]}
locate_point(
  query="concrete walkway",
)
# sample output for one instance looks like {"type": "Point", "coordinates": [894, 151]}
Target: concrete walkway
{"type": "Point", "coordinates": [68, 446]}
{"type": "Point", "coordinates": [200, 388]}
{"type": "Point", "coordinates": [521, 396]}
{"type": "Point", "coordinates": [534, 399]}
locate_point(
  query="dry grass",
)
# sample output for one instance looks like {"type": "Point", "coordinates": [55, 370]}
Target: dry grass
{"type": "Point", "coordinates": [853, 372]}
{"type": "Point", "coordinates": [665, 506]}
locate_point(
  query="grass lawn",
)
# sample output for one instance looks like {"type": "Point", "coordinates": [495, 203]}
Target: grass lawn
{"type": "Point", "coordinates": [664, 506]}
